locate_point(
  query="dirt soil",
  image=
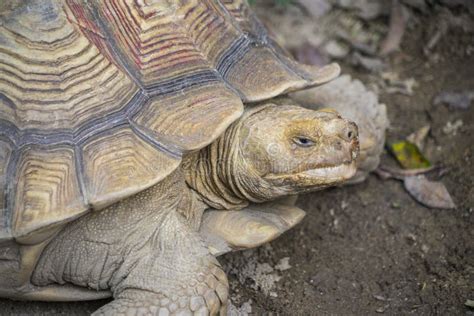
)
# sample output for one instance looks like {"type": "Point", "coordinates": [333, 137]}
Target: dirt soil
{"type": "Point", "coordinates": [370, 249]}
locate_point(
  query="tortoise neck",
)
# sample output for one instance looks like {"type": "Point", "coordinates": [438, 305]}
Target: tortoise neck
{"type": "Point", "coordinates": [212, 173]}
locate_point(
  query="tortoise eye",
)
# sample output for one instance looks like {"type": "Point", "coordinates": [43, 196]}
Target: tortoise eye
{"type": "Point", "coordinates": [303, 141]}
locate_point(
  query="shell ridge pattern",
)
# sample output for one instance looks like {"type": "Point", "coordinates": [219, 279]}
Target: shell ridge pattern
{"type": "Point", "coordinates": [24, 137]}
{"type": "Point", "coordinates": [8, 193]}
{"type": "Point", "coordinates": [101, 98]}
{"type": "Point", "coordinates": [257, 34]}
{"type": "Point", "coordinates": [79, 173]}
{"type": "Point", "coordinates": [237, 49]}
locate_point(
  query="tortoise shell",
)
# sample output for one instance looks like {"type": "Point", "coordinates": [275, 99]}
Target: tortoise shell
{"type": "Point", "coordinates": [100, 99]}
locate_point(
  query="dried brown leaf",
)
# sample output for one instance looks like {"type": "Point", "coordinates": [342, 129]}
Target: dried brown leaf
{"type": "Point", "coordinates": [430, 193]}
{"type": "Point", "coordinates": [386, 172]}
{"type": "Point", "coordinates": [418, 137]}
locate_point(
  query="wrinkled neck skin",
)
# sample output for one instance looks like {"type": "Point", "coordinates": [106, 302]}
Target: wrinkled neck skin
{"type": "Point", "coordinates": [222, 177]}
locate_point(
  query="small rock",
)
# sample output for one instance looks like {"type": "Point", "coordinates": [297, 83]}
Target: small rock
{"type": "Point", "coordinates": [379, 298]}
{"type": "Point", "coordinates": [395, 205]}
{"type": "Point", "coordinates": [243, 310]}
{"type": "Point", "coordinates": [411, 238]}
{"type": "Point", "coordinates": [452, 128]}
{"type": "Point", "coordinates": [469, 303]}
{"type": "Point", "coordinates": [283, 264]}
{"type": "Point", "coordinates": [247, 267]}
{"type": "Point", "coordinates": [425, 248]}
{"type": "Point", "coordinates": [382, 309]}
{"type": "Point", "coordinates": [344, 204]}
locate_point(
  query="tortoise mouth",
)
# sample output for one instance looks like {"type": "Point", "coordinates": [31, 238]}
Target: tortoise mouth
{"type": "Point", "coordinates": [319, 175]}
{"type": "Point", "coordinates": [342, 172]}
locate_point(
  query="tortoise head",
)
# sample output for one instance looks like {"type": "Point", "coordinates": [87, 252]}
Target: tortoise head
{"type": "Point", "coordinates": [288, 149]}
{"type": "Point", "coordinates": [274, 151]}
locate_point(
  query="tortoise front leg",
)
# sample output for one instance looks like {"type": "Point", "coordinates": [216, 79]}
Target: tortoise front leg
{"type": "Point", "coordinates": [250, 227]}
{"type": "Point", "coordinates": [145, 253]}
{"type": "Point", "coordinates": [158, 266]}
{"type": "Point", "coordinates": [173, 274]}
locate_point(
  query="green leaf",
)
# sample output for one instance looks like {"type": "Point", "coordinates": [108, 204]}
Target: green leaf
{"type": "Point", "coordinates": [408, 155]}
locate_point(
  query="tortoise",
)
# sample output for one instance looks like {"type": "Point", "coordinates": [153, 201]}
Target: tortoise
{"type": "Point", "coordinates": [141, 139]}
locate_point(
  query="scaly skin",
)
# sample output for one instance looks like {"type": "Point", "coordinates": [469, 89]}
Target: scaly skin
{"type": "Point", "coordinates": [147, 250]}
{"type": "Point", "coordinates": [144, 251]}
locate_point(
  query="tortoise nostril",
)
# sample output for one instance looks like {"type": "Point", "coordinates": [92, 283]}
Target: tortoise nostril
{"type": "Point", "coordinates": [349, 132]}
